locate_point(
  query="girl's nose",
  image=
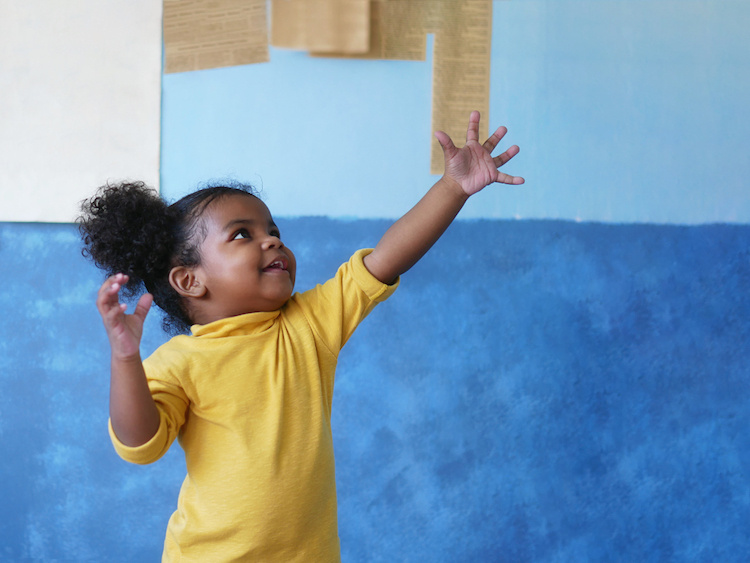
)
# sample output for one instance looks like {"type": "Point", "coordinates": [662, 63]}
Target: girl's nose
{"type": "Point", "coordinates": [272, 241]}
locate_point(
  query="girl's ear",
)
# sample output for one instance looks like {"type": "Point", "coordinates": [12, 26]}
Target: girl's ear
{"type": "Point", "coordinates": [185, 282]}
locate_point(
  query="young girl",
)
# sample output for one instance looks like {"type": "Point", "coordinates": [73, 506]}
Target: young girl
{"type": "Point", "coordinates": [248, 393]}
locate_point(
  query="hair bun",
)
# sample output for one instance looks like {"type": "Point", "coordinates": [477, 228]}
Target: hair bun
{"type": "Point", "coordinates": [127, 228]}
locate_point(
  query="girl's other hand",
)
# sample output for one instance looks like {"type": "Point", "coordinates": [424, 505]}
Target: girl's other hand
{"type": "Point", "coordinates": [124, 331]}
{"type": "Point", "coordinates": [473, 167]}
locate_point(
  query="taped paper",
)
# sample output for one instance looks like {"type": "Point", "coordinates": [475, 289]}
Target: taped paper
{"type": "Point", "coordinates": [323, 26]}
{"type": "Point", "coordinates": [461, 58]}
{"type": "Point", "coordinates": [461, 72]}
{"type": "Point", "coordinates": [202, 34]}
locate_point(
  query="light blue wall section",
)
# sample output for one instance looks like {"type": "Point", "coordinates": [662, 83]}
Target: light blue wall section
{"type": "Point", "coordinates": [630, 110]}
{"type": "Point", "coordinates": [625, 111]}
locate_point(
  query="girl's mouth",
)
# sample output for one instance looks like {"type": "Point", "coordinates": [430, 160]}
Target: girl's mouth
{"type": "Point", "coordinates": [278, 265]}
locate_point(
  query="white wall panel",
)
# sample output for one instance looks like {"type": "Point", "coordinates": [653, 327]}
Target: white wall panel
{"type": "Point", "coordinates": [80, 98]}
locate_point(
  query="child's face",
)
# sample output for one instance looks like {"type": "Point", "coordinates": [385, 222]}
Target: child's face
{"type": "Point", "coordinates": [245, 268]}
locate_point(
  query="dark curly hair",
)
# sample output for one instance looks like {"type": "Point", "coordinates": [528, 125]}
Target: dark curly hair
{"type": "Point", "coordinates": [128, 228]}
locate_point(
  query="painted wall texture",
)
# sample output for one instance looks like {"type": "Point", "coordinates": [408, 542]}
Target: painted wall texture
{"type": "Point", "coordinates": [535, 391]}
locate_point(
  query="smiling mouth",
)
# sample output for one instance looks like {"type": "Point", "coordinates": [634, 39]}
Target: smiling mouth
{"type": "Point", "coordinates": [278, 265]}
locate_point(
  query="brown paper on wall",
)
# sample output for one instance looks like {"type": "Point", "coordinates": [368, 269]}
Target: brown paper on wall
{"type": "Point", "coordinates": [202, 34]}
{"type": "Point", "coordinates": [398, 29]}
{"type": "Point", "coordinates": [461, 72]}
{"type": "Point", "coordinates": [323, 26]}
{"type": "Point", "coordinates": [461, 59]}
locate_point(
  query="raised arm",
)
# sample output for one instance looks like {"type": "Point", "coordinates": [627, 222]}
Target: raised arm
{"type": "Point", "coordinates": [467, 171]}
{"type": "Point", "coordinates": [134, 416]}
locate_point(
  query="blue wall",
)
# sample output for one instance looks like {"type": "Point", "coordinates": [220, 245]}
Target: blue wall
{"type": "Point", "coordinates": [535, 391]}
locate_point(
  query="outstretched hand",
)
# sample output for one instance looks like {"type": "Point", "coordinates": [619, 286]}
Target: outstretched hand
{"type": "Point", "coordinates": [124, 331]}
{"type": "Point", "coordinates": [473, 167]}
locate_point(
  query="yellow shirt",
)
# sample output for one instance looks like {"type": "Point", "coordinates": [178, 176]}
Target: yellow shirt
{"type": "Point", "coordinates": [249, 398]}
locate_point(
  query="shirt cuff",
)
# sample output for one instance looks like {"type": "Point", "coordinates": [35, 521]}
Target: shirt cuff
{"type": "Point", "coordinates": [145, 453]}
{"type": "Point", "coordinates": [373, 287]}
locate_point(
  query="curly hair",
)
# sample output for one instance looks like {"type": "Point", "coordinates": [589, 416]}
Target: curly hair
{"type": "Point", "coordinates": [128, 228]}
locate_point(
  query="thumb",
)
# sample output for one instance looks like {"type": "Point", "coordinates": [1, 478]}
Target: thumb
{"type": "Point", "coordinates": [143, 306]}
{"type": "Point", "coordinates": [445, 142]}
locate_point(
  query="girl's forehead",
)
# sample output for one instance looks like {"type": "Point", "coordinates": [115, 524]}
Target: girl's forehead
{"type": "Point", "coordinates": [236, 207]}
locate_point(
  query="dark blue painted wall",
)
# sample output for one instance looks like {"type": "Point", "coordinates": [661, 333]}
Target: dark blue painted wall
{"type": "Point", "coordinates": [535, 391]}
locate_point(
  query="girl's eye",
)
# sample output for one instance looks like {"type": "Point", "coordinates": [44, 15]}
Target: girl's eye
{"type": "Point", "coordinates": [276, 234]}
{"type": "Point", "coordinates": [242, 233]}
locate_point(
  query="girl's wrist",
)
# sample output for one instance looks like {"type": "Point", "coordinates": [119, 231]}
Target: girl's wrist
{"type": "Point", "coordinates": [126, 360]}
{"type": "Point", "coordinates": [454, 186]}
